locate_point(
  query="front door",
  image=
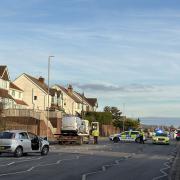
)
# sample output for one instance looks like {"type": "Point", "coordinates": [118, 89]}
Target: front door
{"type": "Point", "coordinates": [35, 143]}
{"type": "Point", "coordinates": [25, 142]}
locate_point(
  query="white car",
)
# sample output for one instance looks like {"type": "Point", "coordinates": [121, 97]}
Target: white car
{"type": "Point", "coordinates": [21, 142]}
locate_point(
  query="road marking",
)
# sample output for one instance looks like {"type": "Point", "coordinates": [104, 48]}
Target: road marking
{"type": "Point", "coordinates": [105, 167]}
{"type": "Point", "coordinates": [7, 164]}
{"type": "Point", "coordinates": [28, 159]}
{"type": "Point", "coordinates": [167, 166]}
{"type": "Point", "coordinates": [39, 165]}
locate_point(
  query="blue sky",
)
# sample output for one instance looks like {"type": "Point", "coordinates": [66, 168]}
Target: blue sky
{"type": "Point", "coordinates": [120, 51]}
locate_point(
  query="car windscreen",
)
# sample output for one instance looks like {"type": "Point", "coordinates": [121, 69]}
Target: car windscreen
{"type": "Point", "coordinates": [6, 135]}
{"type": "Point", "coordinates": [161, 134]}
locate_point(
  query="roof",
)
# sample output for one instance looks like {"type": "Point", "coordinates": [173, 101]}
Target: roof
{"type": "Point", "coordinates": [4, 73]}
{"type": "Point", "coordinates": [83, 98]}
{"type": "Point", "coordinates": [4, 94]}
{"type": "Point", "coordinates": [92, 101]}
{"type": "Point", "coordinates": [13, 86]}
{"type": "Point", "coordinates": [43, 86]}
{"type": "Point", "coordinates": [69, 94]}
{"type": "Point", "coordinates": [20, 102]}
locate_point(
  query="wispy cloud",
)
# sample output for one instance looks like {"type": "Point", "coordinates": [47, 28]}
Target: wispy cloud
{"type": "Point", "coordinates": [113, 88]}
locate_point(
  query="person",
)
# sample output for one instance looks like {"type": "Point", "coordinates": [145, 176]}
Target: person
{"type": "Point", "coordinates": [141, 137]}
{"type": "Point", "coordinates": [95, 134]}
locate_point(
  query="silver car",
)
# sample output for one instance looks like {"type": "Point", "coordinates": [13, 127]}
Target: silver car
{"type": "Point", "coordinates": [21, 142]}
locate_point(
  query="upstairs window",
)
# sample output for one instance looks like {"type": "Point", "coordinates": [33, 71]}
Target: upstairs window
{"type": "Point", "coordinates": [20, 94]}
{"type": "Point", "coordinates": [13, 93]}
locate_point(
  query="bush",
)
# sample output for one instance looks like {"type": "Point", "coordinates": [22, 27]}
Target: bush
{"type": "Point", "coordinates": [101, 117]}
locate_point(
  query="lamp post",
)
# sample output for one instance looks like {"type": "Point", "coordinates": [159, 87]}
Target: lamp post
{"type": "Point", "coordinates": [123, 115]}
{"type": "Point", "coordinates": [49, 59]}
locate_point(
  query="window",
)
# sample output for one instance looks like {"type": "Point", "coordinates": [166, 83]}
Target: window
{"type": "Point", "coordinates": [23, 135]}
{"type": "Point", "coordinates": [32, 136]}
{"type": "Point", "coordinates": [6, 135]}
{"type": "Point", "coordinates": [13, 93]}
{"type": "Point", "coordinates": [35, 98]}
{"type": "Point", "coordinates": [134, 133]}
{"type": "Point", "coordinates": [78, 106]}
{"type": "Point", "coordinates": [19, 94]}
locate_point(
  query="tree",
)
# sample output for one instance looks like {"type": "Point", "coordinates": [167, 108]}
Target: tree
{"type": "Point", "coordinates": [101, 117]}
{"type": "Point", "coordinates": [116, 116]}
{"type": "Point", "coordinates": [119, 120]}
{"type": "Point", "coordinates": [116, 113]}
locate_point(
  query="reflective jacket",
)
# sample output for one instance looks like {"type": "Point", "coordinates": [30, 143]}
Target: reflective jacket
{"type": "Point", "coordinates": [95, 133]}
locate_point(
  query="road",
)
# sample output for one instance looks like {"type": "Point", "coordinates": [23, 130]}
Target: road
{"type": "Point", "coordinates": [121, 161]}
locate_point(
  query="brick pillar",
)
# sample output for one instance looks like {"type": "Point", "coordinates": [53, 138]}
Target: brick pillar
{"type": "Point", "coordinates": [59, 123]}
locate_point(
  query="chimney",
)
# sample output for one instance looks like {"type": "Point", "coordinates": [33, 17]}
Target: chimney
{"type": "Point", "coordinates": [70, 88]}
{"type": "Point", "coordinates": [41, 79]}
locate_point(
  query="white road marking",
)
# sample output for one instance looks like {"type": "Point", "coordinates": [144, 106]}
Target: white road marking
{"type": "Point", "coordinates": [105, 167]}
{"type": "Point", "coordinates": [7, 164]}
{"type": "Point", "coordinates": [167, 166]}
{"type": "Point", "coordinates": [39, 165]}
{"type": "Point", "coordinates": [28, 159]}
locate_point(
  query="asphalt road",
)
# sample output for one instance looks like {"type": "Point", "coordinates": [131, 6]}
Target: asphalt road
{"type": "Point", "coordinates": [105, 161]}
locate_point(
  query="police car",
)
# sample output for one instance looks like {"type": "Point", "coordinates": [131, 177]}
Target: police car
{"type": "Point", "coordinates": [160, 137]}
{"type": "Point", "coordinates": [126, 136]}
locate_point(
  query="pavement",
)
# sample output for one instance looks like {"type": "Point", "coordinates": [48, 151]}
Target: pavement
{"type": "Point", "coordinates": [120, 161]}
{"type": "Point", "coordinates": [175, 170]}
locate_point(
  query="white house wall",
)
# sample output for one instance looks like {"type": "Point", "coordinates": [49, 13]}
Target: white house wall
{"type": "Point", "coordinates": [30, 90]}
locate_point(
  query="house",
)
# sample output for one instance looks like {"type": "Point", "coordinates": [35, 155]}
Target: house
{"type": "Point", "coordinates": [89, 104]}
{"type": "Point", "coordinates": [71, 104]}
{"type": "Point", "coordinates": [17, 95]}
{"type": "Point", "coordinates": [5, 98]}
{"type": "Point", "coordinates": [10, 95]}
{"type": "Point", "coordinates": [74, 102]}
{"type": "Point", "coordinates": [36, 93]}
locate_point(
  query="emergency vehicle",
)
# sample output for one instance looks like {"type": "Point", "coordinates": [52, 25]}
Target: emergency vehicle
{"type": "Point", "coordinates": [127, 136]}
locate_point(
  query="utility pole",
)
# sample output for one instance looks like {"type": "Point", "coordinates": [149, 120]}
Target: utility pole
{"type": "Point", "coordinates": [49, 59]}
{"type": "Point", "coordinates": [82, 113]}
{"type": "Point", "coordinates": [123, 116]}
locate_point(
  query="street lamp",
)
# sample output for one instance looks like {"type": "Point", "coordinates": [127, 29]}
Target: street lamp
{"type": "Point", "coordinates": [49, 59]}
{"type": "Point", "coordinates": [123, 115]}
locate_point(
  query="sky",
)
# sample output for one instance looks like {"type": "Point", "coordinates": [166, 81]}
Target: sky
{"type": "Point", "coordinates": [124, 52]}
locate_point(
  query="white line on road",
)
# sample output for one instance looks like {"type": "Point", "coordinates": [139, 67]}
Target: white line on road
{"type": "Point", "coordinates": [105, 167]}
{"type": "Point", "coordinates": [7, 164]}
{"type": "Point", "coordinates": [39, 165]}
{"type": "Point", "coordinates": [167, 166]}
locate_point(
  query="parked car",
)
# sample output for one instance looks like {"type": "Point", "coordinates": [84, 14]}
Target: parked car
{"type": "Point", "coordinates": [21, 142]}
{"type": "Point", "coordinates": [127, 136]}
{"type": "Point", "coordinates": [178, 135]}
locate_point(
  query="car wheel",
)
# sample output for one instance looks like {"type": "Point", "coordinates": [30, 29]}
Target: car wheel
{"type": "Point", "coordinates": [18, 152]}
{"type": "Point", "coordinates": [116, 140]}
{"type": "Point", "coordinates": [45, 151]}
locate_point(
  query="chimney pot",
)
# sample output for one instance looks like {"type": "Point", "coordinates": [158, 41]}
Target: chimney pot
{"type": "Point", "coordinates": [41, 79]}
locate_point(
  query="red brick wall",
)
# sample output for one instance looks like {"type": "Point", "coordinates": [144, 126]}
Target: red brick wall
{"type": "Point", "coordinates": [25, 123]}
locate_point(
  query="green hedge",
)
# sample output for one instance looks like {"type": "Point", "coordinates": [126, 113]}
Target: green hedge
{"type": "Point", "coordinates": [101, 117]}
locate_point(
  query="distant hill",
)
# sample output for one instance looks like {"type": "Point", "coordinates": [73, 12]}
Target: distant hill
{"type": "Point", "coordinates": [161, 121]}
